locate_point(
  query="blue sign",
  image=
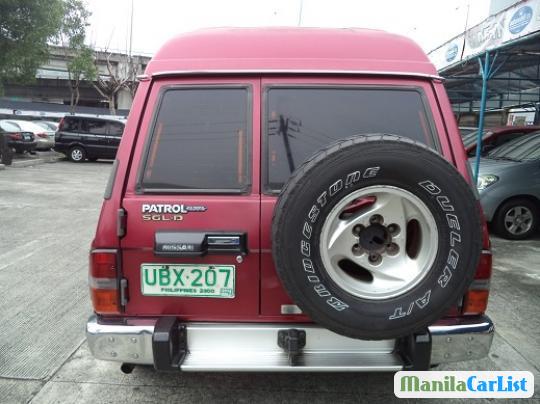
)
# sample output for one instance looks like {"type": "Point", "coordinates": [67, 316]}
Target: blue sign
{"type": "Point", "coordinates": [521, 18]}
{"type": "Point", "coordinates": [451, 52]}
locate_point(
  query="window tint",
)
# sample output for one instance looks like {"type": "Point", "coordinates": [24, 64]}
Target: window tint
{"type": "Point", "coordinates": [116, 128]}
{"type": "Point", "coordinates": [94, 126]}
{"type": "Point", "coordinates": [300, 121]}
{"type": "Point", "coordinates": [70, 125]}
{"type": "Point", "coordinates": [199, 141]}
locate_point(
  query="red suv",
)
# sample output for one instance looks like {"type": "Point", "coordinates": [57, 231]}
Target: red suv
{"type": "Point", "coordinates": [290, 199]}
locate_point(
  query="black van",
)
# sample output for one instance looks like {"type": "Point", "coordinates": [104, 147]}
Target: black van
{"type": "Point", "coordinates": [81, 138]}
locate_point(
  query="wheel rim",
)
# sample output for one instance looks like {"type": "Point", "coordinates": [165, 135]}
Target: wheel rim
{"type": "Point", "coordinates": [518, 220]}
{"type": "Point", "coordinates": [76, 154]}
{"type": "Point", "coordinates": [382, 248]}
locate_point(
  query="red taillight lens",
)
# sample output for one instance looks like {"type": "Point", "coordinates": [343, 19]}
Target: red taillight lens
{"type": "Point", "coordinates": [44, 135]}
{"type": "Point", "coordinates": [61, 124]}
{"type": "Point", "coordinates": [103, 264]}
{"type": "Point", "coordinates": [103, 279]}
{"type": "Point", "coordinates": [484, 266]}
{"type": "Point", "coordinates": [15, 136]}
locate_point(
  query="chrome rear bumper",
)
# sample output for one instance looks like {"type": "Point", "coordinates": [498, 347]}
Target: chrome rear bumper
{"type": "Point", "coordinates": [253, 347]}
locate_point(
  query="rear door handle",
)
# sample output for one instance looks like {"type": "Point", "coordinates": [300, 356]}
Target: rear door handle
{"type": "Point", "coordinates": [196, 243]}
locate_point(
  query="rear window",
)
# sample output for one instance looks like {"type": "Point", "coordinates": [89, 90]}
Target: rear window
{"type": "Point", "coordinates": [199, 141]}
{"type": "Point", "coordinates": [300, 121]}
{"type": "Point", "coordinates": [9, 126]}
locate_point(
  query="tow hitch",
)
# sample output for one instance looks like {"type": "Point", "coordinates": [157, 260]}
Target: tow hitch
{"type": "Point", "coordinates": [292, 341]}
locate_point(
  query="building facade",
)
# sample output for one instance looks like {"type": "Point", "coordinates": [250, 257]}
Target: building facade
{"type": "Point", "coordinates": [52, 85]}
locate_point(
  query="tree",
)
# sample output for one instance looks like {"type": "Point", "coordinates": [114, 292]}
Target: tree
{"type": "Point", "coordinates": [71, 38]}
{"type": "Point", "coordinates": [134, 70]}
{"type": "Point", "coordinates": [81, 66]}
{"type": "Point", "coordinates": [26, 26]}
{"type": "Point", "coordinates": [108, 85]}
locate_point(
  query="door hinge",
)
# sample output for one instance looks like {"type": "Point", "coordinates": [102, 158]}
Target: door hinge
{"type": "Point", "coordinates": [121, 218]}
{"type": "Point", "coordinates": [123, 292]}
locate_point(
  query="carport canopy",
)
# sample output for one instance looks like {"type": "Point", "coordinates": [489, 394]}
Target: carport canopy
{"type": "Point", "coordinates": [515, 79]}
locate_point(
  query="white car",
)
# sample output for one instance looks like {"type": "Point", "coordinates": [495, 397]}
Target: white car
{"type": "Point", "coordinates": [47, 125]}
{"type": "Point", "coordinates": [44, 137]}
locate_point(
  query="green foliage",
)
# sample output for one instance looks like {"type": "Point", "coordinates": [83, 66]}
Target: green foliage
{"type": "Point", "coordinates": [73, 29]}
{"type": "Point", "coordinates": [71, 37]}
{"type": "Point", "coordinates": [82, 64]}
{"type": "Point", "coordinates": [26, 26]}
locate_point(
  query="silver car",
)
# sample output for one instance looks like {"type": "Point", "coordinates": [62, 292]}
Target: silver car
{"type": "Point", "coordinates": [509, 187]}
{"type": "Point", "coordinates": [44, 137]}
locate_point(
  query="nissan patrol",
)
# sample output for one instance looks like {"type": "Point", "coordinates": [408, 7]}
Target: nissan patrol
{"type": "Point", "coordinates": [290, 199]}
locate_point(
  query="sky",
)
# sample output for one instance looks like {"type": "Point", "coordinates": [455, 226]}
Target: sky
{"type": "Point", "coordinates": [429, 22]}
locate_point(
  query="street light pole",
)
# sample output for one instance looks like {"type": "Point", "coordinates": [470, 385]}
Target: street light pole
{"type": "Point", "coordinates": [131, 31]}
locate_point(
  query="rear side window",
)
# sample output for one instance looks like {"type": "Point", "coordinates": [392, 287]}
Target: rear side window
{"type": "Point", "coordinates": [94, 126]}
{"type": "Point", "coordinates": [300, 121]}
{"type": "Point", "coordinates": [199, 141]}
{"type": "Point", "coordinates": [70, 125]}
{"type": "Point", "coordinates": [116, 128]}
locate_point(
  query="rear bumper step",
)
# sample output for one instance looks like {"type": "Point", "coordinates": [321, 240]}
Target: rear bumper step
{"type": "Point", "coordinates": [170, 345]}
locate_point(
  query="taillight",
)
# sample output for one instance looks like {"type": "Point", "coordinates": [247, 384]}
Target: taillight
{"type": "Point", "coordinates": [103, 280]}
{"type": "Point", "coordinates": [43, 135]}
{"type": "Point", "coordinates": [15, 136]}
{"type": "Point", "coordinates": [476, 299]}
{"type": "Point", "coordinates": [61, 124]}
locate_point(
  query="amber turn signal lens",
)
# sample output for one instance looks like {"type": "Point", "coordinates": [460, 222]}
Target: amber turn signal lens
{"type": "Point", "coordinates": [475, 302]}
{"type": "Point", "coordinates": [105, 301]}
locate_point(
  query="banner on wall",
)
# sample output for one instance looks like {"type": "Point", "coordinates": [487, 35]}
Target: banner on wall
{"type": "Point", "coordinates": [515, 22]}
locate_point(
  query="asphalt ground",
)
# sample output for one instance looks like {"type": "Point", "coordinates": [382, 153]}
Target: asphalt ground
{"type": "Point", "coordinates": [48, 214]}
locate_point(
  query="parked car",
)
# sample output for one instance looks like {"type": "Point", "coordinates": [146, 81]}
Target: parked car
{"type": "Point", "coordinates": [257, 219]}
{"type": "Point", "coordinates": [494, 137]}
{"type": "Point", "coordinates": [47, 125]}
{"type": "Point", "coordinates": [465, 130]}
{"type": "Point", "coordinates": [18, 140]}
{"type": "Point", "coordinates": [44, 138]}
{"type": "Point", "coordinates": [81, 138]}
{"type": "Point", "coordinates": [509, 186]}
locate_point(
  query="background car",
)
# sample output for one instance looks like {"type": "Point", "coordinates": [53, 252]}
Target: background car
{"type": "Point", "coordinates": [47, 125]}
{"type": "Point", "coordinates": [18, 140]}
{"type": "Point", "coordinates": [44, 138]}
{"type": "Point", "coordinates": [509, 187]}
{"type": "Point", "coordinates": [81, 137]}
{"type": "Point", "coordinates": [464, 130]}
{"type": "Point", "coordinates": [494, 137]}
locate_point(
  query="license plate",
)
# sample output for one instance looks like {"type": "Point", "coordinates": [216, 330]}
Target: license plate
{"type": "Point", "coordinates": [27, 137]}
{"type": "Point", "coordinates": [188, 280]}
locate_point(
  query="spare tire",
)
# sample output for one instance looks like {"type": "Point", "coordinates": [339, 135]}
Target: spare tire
{"type": "Point", "coordinates": [374, 237]}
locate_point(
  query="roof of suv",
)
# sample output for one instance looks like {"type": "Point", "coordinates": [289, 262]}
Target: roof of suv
{"type": "Point", "coordinates": [317, 50]}
{"type": "Point", "coordinates": [94, 118]}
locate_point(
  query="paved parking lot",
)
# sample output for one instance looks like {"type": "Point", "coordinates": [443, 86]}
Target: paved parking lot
{"type": "Point", "coordinates": [47, 219]}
